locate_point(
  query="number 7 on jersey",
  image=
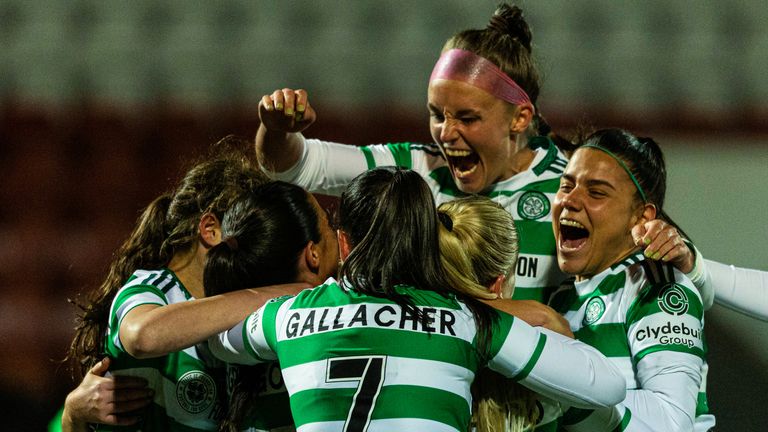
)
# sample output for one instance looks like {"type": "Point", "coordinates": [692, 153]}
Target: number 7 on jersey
{"type": "Point", "coordinates": [369, 371]}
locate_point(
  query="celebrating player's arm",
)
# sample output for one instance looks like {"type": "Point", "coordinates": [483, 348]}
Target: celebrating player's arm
{"type": "Point", "coordinates": [283, 114]}
{"type": "Point", "coordinates": [534, 313]}
{"type": "Point", "coordinates": [741, 289]}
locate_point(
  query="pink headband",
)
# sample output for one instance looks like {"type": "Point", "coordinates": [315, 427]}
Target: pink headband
{"type": "Point", "coordinates": [466, 66]}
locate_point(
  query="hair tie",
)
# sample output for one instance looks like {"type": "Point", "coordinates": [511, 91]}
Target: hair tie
{"type": "Point", "coordinates": [446, 220]}
{"type": "Point", "coordinates": [623, 165]}
{"type": "Point", "coordinates": [231, 243]}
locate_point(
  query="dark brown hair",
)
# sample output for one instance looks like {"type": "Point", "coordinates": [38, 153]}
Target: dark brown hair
{"type": "Point", "coordinates": [169, 224]}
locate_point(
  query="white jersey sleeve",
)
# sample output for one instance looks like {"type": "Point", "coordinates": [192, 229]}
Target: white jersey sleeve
{"type": "Point", "coordinates": [741, 289]}
{"type": "Point", "coordinates": [702, 279]}
{"type": "Point", "coordinates": [559, 368]}
{"type": "Point", "coordinates": [325, 167]}
{"type": "Point", "coordinates": [666, 400]}
{"type": "Point", "coordinates": [246, 343]}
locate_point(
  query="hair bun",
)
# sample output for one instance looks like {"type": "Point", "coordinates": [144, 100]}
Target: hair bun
{"type": "Point", "coordinates": [508, 20]}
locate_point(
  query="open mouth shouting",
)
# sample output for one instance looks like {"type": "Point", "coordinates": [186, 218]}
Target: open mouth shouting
{"type": "Point", "coordinates": [463, 163]}
{"type": "Point", "coordinates": [573, 235]}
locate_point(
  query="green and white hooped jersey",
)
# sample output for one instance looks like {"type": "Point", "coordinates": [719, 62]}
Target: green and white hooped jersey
{"type": "Point", "coordinates": [327, 168]}
{"type": "Point", "coordinates": [353, 362]}
{"type": "Point", "coordinates": [187, 392]}
{"type": "Point", "coordinates": [648, 319]}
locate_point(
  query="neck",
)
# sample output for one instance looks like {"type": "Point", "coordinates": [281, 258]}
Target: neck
{"type": "Point", "coordinates": [188, 267]}
{"type": "Point", "coordinates": [630, 251]}
{"type": "Point", "coordinates": [309, 277]}
{"type": "Point", "coordinates": [521, 160]}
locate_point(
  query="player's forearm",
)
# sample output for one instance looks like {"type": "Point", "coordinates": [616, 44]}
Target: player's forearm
{"type": "Point", "coordinates": [171, 328]}
{"type": "Point", "coordinates": [597, 384]}
{"type": "Point", "coordinates": [744, 290]}
{"type": "Point", "coordinates": [534, 313]}
{"type": "Point", "coordinates": [278, 151]}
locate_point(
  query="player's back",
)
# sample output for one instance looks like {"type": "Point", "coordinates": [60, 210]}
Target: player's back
{"type": "Point", "coordinates": [393, 369]}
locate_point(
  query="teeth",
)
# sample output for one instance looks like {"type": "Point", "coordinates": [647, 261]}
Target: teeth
{"type": "Point", "coordinates": [457, 153]}
{"type": "Point", "coordinates": [572, 223]}
{"type": "Point", "coordinates": [462, 174]}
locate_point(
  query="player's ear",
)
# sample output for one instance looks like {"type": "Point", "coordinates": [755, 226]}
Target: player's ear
{"type": "Point", "coordinates": [210, 229]}
{"type": "Point", "coordinates": [344, 246]}
{"type": "Point", "coordinates": [521, 119]}
{"type": "Point", "coordinates": [312, 256]}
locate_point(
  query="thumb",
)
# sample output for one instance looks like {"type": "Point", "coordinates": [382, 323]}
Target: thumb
{"type": "Point", "coordinates": [638, 232]}
{"type": "Point", "coordinates": [101, 367]}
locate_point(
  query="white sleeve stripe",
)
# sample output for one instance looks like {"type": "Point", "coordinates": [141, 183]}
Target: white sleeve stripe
{"type": "Point", "coordinates": [228, 346]}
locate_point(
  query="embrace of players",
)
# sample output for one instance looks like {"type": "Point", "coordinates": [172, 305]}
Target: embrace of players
{"type": "Point", "coordinates": [237, 303]}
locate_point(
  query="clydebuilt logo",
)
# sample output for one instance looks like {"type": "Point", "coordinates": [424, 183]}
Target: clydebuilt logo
{"type": "Point", "coordinates": [670, 334]}
{"type": "Point", "coordinates": [673, 300]}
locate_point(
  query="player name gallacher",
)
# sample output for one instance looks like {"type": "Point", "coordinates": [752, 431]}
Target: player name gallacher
{"type": "Point", "coordinates": [305, 322]}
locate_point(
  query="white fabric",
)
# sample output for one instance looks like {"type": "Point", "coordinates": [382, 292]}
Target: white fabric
{"type": "Point", "coordinates": [741, 289]}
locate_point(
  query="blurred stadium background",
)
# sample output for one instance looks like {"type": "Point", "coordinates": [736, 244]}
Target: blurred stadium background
{"type": "Point", "coordinates": [102, 101]}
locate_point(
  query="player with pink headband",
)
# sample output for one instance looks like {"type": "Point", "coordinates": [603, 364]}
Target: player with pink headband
{"type": "Point", "coordinates": [489, 138]}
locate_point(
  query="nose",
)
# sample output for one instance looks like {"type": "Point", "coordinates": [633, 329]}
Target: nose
{"type": "Point", "coordinates": [569, 200]}
{"type": "Point", "coordinates": [448, 130]}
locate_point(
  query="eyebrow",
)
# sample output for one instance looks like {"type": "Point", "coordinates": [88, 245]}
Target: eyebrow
{"type": "Point", "coordinates": [458, 113]}
{"type": "Point", "coordinates": [590, 182]}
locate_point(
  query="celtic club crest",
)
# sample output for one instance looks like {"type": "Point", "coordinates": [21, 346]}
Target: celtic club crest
{"type": "Point", "coordinates": [196, 391]}
{"type": "Point", "coordinates": [595, 309]}
{"type": "Point", "coordinates": [533, 205]}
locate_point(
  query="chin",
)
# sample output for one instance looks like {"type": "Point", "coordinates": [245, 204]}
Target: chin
{"type": "Point", "coordinates": [569, 267]}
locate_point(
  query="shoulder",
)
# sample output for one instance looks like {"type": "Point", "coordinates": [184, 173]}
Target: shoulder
{"type": "Point", "coordinates": [658, 286]}
{"type": "Point", "coordinates": [150, 285]}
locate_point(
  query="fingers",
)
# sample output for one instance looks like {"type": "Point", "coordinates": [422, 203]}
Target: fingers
{"type": "Point", "coordinates": [302, 102]}
{"type": "Point", "coordinates": [126, 403]}
{"type": "Point", "coordinates": [101, 367]}
{"type": "Point", "coordinates": [124, 382]}
{"type": "Point", "coordinates": [663, 242]}
{"type": "Point", "coordinates": [287, 100]}
{"type": "Point", "coordinates": [121, 420]}
{"type": "Point", "coordinates": [638, 233]}
{"type": "Point", "coordinates": [659, 238]}
{"type": "Point", "coordinates": [131, 394]}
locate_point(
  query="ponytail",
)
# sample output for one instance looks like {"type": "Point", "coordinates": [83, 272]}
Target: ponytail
{"type": "Point", "coordinates": [143, 249]}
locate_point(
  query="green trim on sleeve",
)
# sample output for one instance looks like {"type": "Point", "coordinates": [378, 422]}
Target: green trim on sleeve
{"type": "Point", "coordinates": [401, 152]}
{"type": "Point", "coordinates": [534, 358]}
{"type": "Point", "coordinates": [669, 347]}
{"type": "Point", "coordinates": [702, 406]}
{"type": "Point", "coordinates": [624, 421]}
{"type": "Point", "coordinates": [368, 157]}
{"type": "Point", "coordinates": [269, 320]}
